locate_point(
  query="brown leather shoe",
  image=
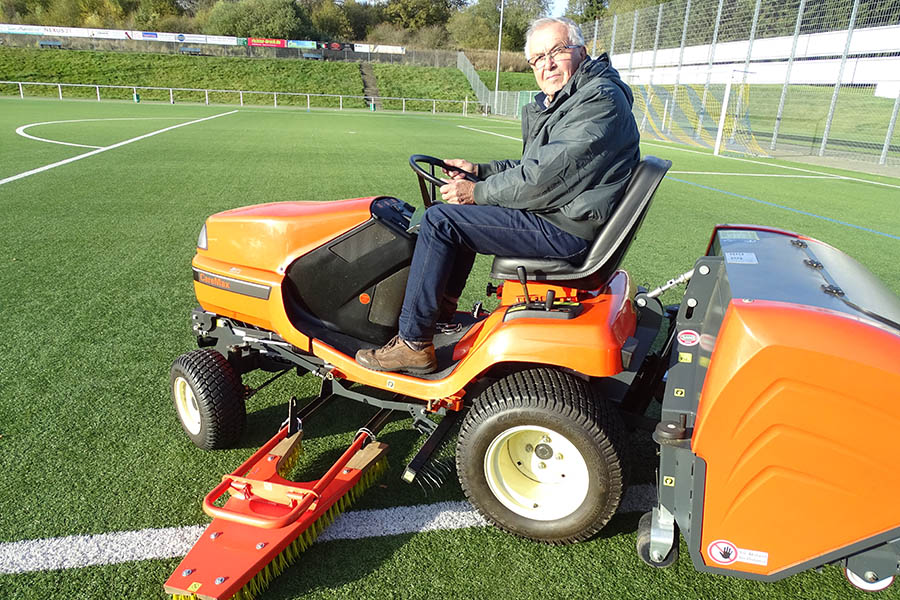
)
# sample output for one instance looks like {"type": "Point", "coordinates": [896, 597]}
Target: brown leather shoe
{"type": "Point", "coordinates": [396, 356]}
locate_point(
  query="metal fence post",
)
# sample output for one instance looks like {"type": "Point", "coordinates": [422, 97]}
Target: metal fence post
{"type": "Point", "coordinates": [840, 76]}
{"type": "Point", "coordinates": [341, 106]}
{"type": "Point", "coordinates": [787, 76]}
{"type": "Point", "coordinates": [434, 107]}
{"type": "Point", "coordinates": [724, 113]}
{"type": "Point", "coordinates": [275, 96]}
{"type": "Point", "coordinates": [171, 97]}
{"type": "Point", "coordinates": [633, 39]}
{"type": "Point", "coordinates": [241, 93]}
{"type": "Point", "coordinates": [21, 93]}
{"type": "Point", "coordinates": [98, 92]}
{"type": "Point", "coordinates": [59, 87]}
{"type": "Point", "coordinates": [890, 131]}
{"type": "Point", "coordinates": [404, 105]}
{"type": "Point", "coordinates": [656, 43]}
{"type": "Point", "coordinates": [594, 42]}
{"type": "Point", "coordinates": [687, 14]}
{"type": "Point", "coordinates": [612, 41]}
{"type": "Point", "coordinates": [712, 53]}
{"type": "Point", "coordinates": [206, 95]}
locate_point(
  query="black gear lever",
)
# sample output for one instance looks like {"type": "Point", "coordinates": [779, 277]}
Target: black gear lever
{"type": "Point", "coordinates": [520, 271]}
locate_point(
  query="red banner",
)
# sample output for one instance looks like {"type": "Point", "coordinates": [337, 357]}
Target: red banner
{"type": "Point", "coordinates": [267, 42]}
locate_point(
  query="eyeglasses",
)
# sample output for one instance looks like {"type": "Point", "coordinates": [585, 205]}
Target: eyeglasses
{"type": "Point", "coordinates": [540, 60]}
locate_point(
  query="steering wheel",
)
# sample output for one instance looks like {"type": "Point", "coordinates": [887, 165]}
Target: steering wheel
{"type": "Point", "coordinates": [430, 177]}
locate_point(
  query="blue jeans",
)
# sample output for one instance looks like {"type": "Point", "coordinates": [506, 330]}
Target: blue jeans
{"type": "Point", "coordinates": [449, 237]}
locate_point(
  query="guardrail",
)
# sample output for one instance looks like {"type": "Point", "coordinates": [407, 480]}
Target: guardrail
{"type": "Point", "coordinates": [241, 97]}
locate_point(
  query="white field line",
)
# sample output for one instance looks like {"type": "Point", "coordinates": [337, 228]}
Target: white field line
{"type": "Point", "coordinates": [21, 130]}
{"type": "Point", "coordinates": [105, 148]}
{"type": "Point", "coordinates": [509, 137]}
{"type": "Point", "coordinates": [822, 174]}
{"type": "Point", "coordinates": [755, 174]}
{"type": "Point", "coordinates": [765, 164]}
{"type": "Point", "coordinates": [147, 544]}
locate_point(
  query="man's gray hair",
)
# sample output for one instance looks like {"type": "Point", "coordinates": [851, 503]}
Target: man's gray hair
{"type": "Point", "coordinates": [576, 38]}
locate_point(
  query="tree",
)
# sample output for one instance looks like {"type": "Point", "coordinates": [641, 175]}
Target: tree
{"type": "Point", "coordinates": [362, 17]}
{"type": "Point", "coordinates": [415, 14]}
{"type": "Point", "coordinates": [330, 22]}
{"type": "Point", "coordinates": [581, 11]}
{"type": "Point", "coordinates": [259, 18]}
{"type": "Point", "coordinates": [478, 25]}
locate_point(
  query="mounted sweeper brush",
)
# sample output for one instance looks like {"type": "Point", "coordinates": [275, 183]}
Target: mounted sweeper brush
{"type": "Point", "coordinates": [769, 364]}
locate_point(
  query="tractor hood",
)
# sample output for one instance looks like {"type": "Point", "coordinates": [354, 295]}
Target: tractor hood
{"type": "Point", "coordinates": [270, 236]}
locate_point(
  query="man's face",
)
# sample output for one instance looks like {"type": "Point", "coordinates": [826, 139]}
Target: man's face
{"type": "Point", "coordinates": [552, 73]}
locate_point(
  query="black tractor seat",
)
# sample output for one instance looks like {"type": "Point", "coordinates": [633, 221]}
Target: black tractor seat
{"type": "Point", "coordinates": [608, 249]}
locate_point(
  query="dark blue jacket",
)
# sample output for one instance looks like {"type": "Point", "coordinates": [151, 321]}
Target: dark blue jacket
{"type": "Point", "coordinates": [578, 153]}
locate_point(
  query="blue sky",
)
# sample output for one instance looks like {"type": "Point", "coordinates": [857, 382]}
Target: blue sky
{"type": "Point", "coordinates": [558, 7]}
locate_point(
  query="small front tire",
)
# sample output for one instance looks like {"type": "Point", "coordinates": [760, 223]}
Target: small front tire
{"type": "Point", "coordinates": [209, 398]}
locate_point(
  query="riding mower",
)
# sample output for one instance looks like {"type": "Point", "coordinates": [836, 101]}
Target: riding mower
{"type": "Point", "coordinates": [774, 376]}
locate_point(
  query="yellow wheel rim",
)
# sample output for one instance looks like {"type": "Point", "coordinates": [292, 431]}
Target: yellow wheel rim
{"type": "Point", "coordinates": [186, 403]}
{"type": "Point", "coordinates": [536, 472]}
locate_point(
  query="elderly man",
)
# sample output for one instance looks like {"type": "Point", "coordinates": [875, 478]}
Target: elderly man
{"type": "Point", "coordinates": [580, 146]}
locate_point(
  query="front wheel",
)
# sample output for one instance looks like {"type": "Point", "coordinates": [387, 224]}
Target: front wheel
{"type": "Point", "coordinates": [539, 455]}
{"type": "Point", "coordinates": [209, 398]}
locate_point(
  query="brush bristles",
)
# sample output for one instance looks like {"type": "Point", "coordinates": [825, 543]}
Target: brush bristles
{"type": "Point", "coordinates": [292, 552]}
{"type": "Point", "coordinates": [290, 460]}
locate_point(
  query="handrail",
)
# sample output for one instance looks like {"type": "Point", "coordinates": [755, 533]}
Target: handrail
{"type": "Point", "coordinates": [464, 104]}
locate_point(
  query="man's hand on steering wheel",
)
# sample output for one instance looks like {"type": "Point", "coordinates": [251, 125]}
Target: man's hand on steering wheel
{"type": "Point", "coordinates": [458, 191]}
{"type": "Point", "coordinates": [461, 165]}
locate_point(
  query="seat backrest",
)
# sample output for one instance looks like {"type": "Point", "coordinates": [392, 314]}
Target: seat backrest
{"type": "Point", "coordinates": [615, 237]}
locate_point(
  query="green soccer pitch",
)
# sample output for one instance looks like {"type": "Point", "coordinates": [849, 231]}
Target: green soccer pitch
{"type": "Point", "coordinates": [102, 204]}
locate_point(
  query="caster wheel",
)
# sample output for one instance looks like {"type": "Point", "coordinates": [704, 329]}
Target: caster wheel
{"type": "Point", "coordinates": [643, 544]}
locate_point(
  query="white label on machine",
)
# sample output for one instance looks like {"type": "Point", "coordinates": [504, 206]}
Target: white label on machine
{"type": "Point", "coordinates": [688, 337]}
{"type": "Point", "coordinates": [723, 552]}
{"type": "Point", "coordinates": [741, 258]}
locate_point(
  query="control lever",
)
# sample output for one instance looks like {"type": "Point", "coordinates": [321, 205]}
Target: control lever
{"type": "Point", "coordinates": [548, 303]}
{"type": "Point", "coordinates": [520, 271]}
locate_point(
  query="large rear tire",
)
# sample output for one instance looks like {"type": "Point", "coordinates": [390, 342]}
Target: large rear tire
{"type": "Point", "coordinates": [209, 398]}
{"type": "Point", "coordinates": [539, 455]}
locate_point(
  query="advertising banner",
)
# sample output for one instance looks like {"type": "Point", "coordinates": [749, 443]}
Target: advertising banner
{"type": "Point", "coordinates": [222, 40]}
{"type": "Point", "coordinates": [266, 42]}
{"type": "Point", "coordinates": [306, 44]}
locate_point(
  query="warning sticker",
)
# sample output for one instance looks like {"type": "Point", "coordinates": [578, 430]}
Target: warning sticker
{"type": "Point", "coordinates": [723, 552]}
{"type": "Point", "coordinates": [685, 357]}
{"type": "Point", "coordinates": [688, 337]}
{"type": "Point", "coordinates": [741, 258]}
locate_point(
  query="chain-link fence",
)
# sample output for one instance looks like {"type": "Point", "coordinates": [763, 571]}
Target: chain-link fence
{"type": "Point", "coordinates": [809, 77]}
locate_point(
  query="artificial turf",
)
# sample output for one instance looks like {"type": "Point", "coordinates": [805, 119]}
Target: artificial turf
{"type": "Point", "coordinates": [96, 291]}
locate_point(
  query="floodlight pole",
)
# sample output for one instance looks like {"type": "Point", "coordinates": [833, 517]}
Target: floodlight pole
{"type": "Point", "coordinates": [497, 79]}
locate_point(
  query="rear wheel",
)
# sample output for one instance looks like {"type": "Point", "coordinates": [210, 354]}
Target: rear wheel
{"type": "Point", "coordinates": [539, 455]}
{"type": "Point", "coordinates": [209, 398]}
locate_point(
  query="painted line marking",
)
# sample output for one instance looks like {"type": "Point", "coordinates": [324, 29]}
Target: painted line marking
{"type": "Point", "coordinates": [788, 208]}
{"type": "Point", "coordinates": [105, 148]}
{"type": "Point", "coordinates": [755, 174]}
{"type": "Point", "coordinates": [21, 130]}
{"type": "Point", "coordinates": [759, 162]}
{"type": "Point", "coordinates": [509, 137]}
{"type": "Point", "coordinates": [79, 551]}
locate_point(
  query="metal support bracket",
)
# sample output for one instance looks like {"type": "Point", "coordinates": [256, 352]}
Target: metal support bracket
{"type": "Point", "coordinates": [662, 533]}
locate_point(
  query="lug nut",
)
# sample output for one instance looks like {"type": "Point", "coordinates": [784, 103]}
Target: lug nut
{"type": "Point", "coordinates": [542, 465]}
{"type": "Point", "coordinates": [220, 580]}
{"type": "Point", "coordinates": [186, 572]}
{"type": "Point", "coordinates": [529, 448]}
{"type": "Point", "coordinates": [260, 545]}
{"type": "Point", "coordinates": [214, 535]}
